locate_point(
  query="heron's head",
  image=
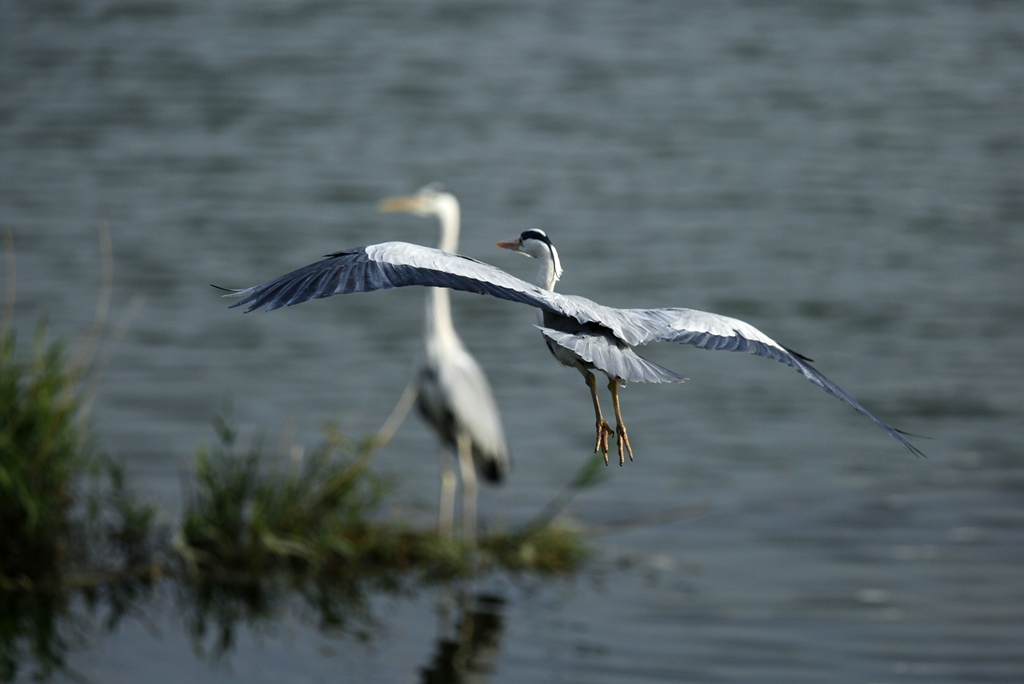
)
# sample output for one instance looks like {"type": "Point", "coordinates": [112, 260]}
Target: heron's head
{"type": "Point", "coordinates": [535, 243]}
{"type": "Point", "coordinates": [430, 200]}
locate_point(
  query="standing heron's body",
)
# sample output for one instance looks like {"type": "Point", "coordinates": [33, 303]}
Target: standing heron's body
{"type": "Point", "coordinates": [581, 333]}
{"type": "Point", "coordinates": [452, 391]}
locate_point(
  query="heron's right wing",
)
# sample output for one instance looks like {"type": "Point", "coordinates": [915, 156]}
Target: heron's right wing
{"type": "Point", "coordinates": [400, 264]}
{"type": "Point", "coordinates": [388, 265]}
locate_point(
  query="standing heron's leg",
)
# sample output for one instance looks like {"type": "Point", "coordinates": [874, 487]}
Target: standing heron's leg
{"type": "Point", "coordinates": [398, 414]}
{"type": "Point", "coordinates": [604, 430]}
{"type": "Point", "coordinates": [620, 429]}
{"type": "Point", "coordinates": [469, 488]}
{"type": "Point", "coordinates": [447, 509]}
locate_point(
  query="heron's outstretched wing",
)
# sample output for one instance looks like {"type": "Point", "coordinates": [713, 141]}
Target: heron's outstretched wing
{"type": "Point", "coordinates": [713, 331]}
{"type": "Point", "coordinates": [399, 264]}
{"type": "Point", "coordinates": [388, 265]}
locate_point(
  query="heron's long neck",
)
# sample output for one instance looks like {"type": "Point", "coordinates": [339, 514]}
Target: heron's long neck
{"type": "Point", "coordinates": [439, 327]}
{"type": "Point", "coordinates": [448, 215]}
{"type": "Point", "coordinates": [550, 270]}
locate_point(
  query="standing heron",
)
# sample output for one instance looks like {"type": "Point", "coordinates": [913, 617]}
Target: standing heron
{"type": "Point", "coordinates": [580, 333]}
{"type": "Point", "coordinates": [452, 391]}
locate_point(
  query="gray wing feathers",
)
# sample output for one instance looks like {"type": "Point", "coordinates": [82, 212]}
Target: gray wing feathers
{"type": "Point", "coordinates": [712, 331]}
{"type": "Point", "coordinates": [399, 264]}
{"type": "Point", "coordinates": [385, 266]}
{"type": "Point", "coordinates": [617, 361]}
{"type": "Point", "coordinates": [815, 376]}
{"type": "Point", "coordinates": [340, 273]}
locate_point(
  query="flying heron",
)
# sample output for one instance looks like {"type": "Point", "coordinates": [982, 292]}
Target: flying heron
{"type": "Point", "coordinates": [580, 333]}
{"type": "Point", "coordinates": [452, 391]}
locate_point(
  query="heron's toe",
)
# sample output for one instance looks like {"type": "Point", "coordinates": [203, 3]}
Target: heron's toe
{"type": "Point", "coordinates": [623, 441]}
{"type": "Point", "coordinates": [604, 431]}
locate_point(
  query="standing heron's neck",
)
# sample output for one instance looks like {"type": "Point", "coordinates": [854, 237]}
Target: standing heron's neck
{"type": "Point", "coordinates": [439, 308]}
{"type": "Point", "coordinates": [448, 215]}
{"type": "Point", "coordinates": [439, 327]}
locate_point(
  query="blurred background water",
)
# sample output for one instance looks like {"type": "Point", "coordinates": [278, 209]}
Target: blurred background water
{"type": "Point", "coordinates": [847, 176]}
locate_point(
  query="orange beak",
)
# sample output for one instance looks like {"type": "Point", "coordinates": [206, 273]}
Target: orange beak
{"type": "Point", "coordinates": [408, 204]}
{"type": "Point", "coordinates": [510, 244]}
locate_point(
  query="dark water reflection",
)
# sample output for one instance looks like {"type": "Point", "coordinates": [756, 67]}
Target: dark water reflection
{"type": "Point", "coordinates": [41, 631]}
{"type": "Point", "coordinates": [215, 613]}
{"type": "Point", "coordinates": [470, 629]}
{"type": "Point", "coordinates": [848, 176]}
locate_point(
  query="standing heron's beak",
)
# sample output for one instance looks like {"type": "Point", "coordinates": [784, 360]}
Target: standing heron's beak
{"type": "Point", "coordinates": [510, 244]}
{"type": "Point", "coordinates": [404, 204]}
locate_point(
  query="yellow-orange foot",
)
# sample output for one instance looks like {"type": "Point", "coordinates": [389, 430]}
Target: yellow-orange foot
{"type": "Point", "coordinates": [604, 431]}
{"type": "Point", "coordinates": [623, 440]}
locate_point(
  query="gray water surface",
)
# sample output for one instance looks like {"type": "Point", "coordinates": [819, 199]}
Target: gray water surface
{"type": "Point", "coordinates": [846, 176]}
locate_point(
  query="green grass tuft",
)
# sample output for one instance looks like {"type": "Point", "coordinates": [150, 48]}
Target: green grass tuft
{"type": "Point", "coordinates": [68, 521]}
{"type": "Point", "coordinates": [250, 514]}
{"type": "Point", "coordinates": [43, 448]}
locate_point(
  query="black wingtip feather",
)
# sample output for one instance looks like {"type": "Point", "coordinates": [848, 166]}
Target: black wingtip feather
{"type": "Point", "coordinates": [799, 355]}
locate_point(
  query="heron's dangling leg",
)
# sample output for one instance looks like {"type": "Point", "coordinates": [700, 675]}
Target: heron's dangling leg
{"type": "Point", "coordinates": [469, 488]}
{"type": "Point", "coordinates": [620, 429]}
{"type": "Point", "coordinates": [604, 430]}
{"type": "Point", "coordinates": [447, 508]}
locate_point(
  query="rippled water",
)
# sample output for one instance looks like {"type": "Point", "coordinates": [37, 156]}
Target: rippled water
{"type": "Point", "coordinates": [847, 176]}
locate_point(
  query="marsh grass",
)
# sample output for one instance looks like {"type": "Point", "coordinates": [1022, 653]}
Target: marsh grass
{"type": "Point", "coordinates": [263, 531]}
{"type": "Point", "coordinates": [57, 491]}
{"type": "Point", "coordinates": [41, 449]}
{"type": "Point", "coordinates": [248, 513]}
{"type": "Point", "coordinates": [322, 516]}
{"type": "Point", "coordinates": [68, 523]}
